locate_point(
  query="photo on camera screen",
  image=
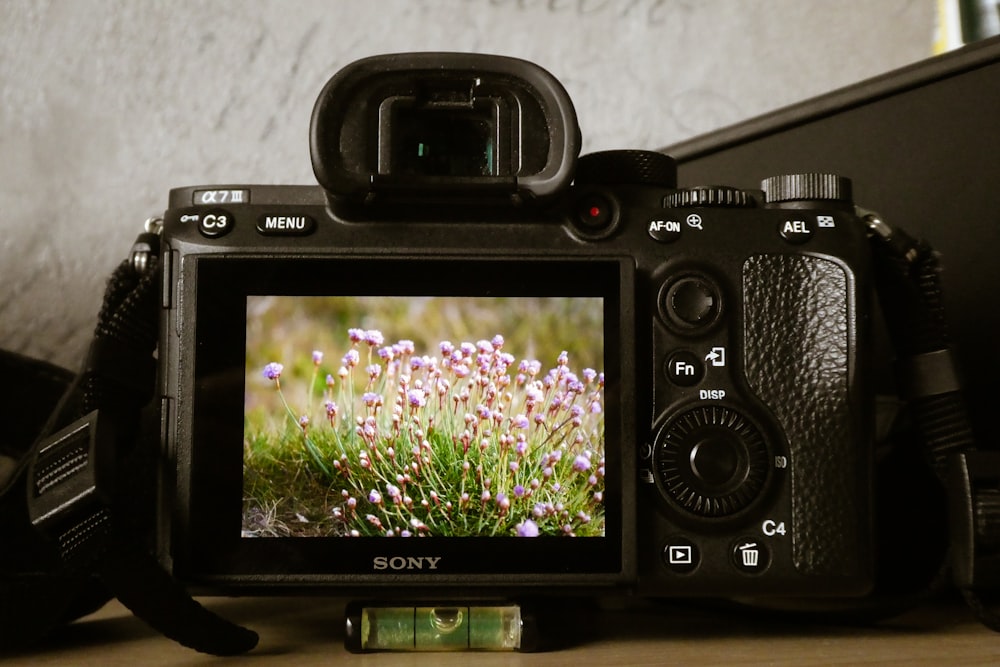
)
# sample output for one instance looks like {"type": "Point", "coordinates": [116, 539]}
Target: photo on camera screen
{"type": "Point", "coordinates": [424, 416]}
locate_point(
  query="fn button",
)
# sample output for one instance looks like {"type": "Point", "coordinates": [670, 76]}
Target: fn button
{"type": "Point", "coordinates": [684, 369]}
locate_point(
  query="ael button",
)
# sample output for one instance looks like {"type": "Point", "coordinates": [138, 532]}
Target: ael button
{"type": "Point", "coordinates": [796, 230]}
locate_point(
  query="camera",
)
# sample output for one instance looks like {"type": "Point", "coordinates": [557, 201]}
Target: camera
{"type": "Point", "coordinates": [551, 373]}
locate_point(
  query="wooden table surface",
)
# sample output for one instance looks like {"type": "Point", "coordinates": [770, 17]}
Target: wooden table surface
{"type": "Point", "coordinates": [305, 631]}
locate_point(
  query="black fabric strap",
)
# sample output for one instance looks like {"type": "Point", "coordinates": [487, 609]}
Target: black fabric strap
{"type": "Point", "coordinates": [37, 593]}
{"type": "Point", "coordinates": [908, 280]}
{"type": "Point", "coordinates": [120, 379]}
{"type": "Point", "coordinates": [90, 487]}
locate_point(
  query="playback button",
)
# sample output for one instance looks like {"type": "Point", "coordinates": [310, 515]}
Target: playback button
{"type": "Point", "coordinates": [681, 555]}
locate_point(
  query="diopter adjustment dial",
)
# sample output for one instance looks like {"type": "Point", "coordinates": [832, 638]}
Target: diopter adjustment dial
{"type": "Point", "coordinates": [626, 167]}
{"type": "Point", "coordinates": [711, 461]}
{"type": "Point", "coordinates": [709, 195]}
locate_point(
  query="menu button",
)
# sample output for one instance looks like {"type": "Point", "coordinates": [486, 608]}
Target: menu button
{"type": "Point", "coordinates": [280, 224]}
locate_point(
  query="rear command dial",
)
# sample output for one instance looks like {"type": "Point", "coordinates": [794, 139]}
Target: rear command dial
{"type": "Point", "coordinates": [711, 461]}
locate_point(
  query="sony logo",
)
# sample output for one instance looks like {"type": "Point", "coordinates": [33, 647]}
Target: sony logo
{"type": "Point", "coordinates": [405, 563]}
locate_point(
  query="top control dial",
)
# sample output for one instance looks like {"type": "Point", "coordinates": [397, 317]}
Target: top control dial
{"type": "Point", "coordinates": [806, 187]}
{"type": "Point", "coordinates": [709, 195]}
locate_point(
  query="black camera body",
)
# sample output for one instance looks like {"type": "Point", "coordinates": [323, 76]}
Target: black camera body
{"type": "Point", "coordinates": [556, 374]}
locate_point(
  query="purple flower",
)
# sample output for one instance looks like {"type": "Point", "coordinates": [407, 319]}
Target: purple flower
{"type": "Point", "coordinates": [375, 497]}
{"type": "Point", "coordinates": [405, 346]}
{"type": "Point", "coordinates": [518, 491]}
{"type": "Point", "coordinates": [317, 357]}
{"type": "Point", "coordinates": [356, 335]}
{"type": "Point", "coordinates": [581, 463]}
{"type": "Point", "coordinates": [273, 370]}
{"type": "Point", "coordinates": [532, 367]}
{"type": "Point", "coordinates": [520, 421]}
{"type": "Point", "coordinates": [374, 337]}
{"type": "Point", "coordinates": [527, 528]}
{"type": "Point", "coordinates": [416, 398]}
{"type": "Point", "coordinates": [589, 374]}
{"type": "Point", "coordinates": [351, 359]}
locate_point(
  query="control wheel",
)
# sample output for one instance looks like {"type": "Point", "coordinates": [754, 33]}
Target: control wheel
{"type": "Point", "coordinates": [711, 461]}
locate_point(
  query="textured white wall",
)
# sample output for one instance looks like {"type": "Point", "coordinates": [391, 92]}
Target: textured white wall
{"type": "Point", "coordinates": [106, 105]}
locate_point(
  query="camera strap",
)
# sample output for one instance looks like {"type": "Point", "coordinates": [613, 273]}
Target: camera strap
{"type": "Point", "coordinates": [88, 485]}
{"type": "Point", "coordinates": [908, 282]}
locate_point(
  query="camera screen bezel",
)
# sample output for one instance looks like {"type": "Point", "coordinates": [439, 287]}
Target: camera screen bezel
{"type": "Point", "coordinates": [207, 542]}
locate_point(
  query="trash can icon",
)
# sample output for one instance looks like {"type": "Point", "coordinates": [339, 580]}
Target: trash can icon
{"type": "Point", "coordinates": [749, 554]}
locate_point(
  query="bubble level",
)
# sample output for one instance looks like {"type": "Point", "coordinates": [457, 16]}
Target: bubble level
{"type": "Point", "coordinates": [444, 628]}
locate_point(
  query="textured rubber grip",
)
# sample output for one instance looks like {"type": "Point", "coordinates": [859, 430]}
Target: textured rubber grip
{"type": "Point", "coordinates": [798, 362]}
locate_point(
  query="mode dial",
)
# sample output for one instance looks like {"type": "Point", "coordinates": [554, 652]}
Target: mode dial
{"type": "Point", "coordinates": [709, 195]}
{"type": "Point", "coordinates": [627, 167]}
{"type": "Point", "coordinates": [806, 187]}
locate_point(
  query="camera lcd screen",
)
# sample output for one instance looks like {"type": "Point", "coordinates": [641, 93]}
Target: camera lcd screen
{"type": "Point", "coordinates": [341, 407]}
{"type": "Point", "coordinates": [424, 416]}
